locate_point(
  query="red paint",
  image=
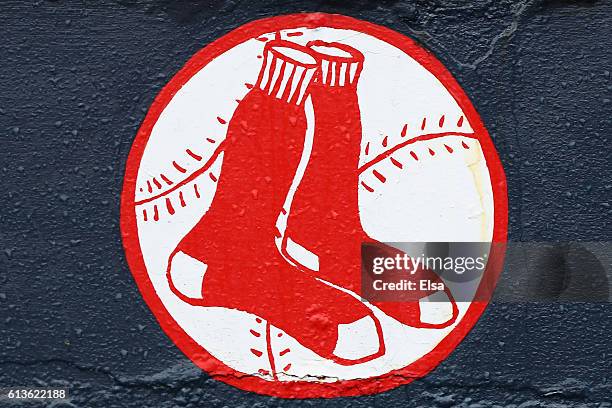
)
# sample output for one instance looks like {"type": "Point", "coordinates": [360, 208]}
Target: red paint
{"type": "Point", "coordinates": [192, 154]}
{"type": "Point", "coordinates": [396, 163]}
{"type": "Point", "coordinates": [300, 389]}
{"type": "Point", "coordinates": [178, 167]}
{"type": "Point", "coordinates": [379, 176]}
{"type": "Point", "coordinates": [166, 179]}
{"type": "Point", "coordinates": [169, 206]}
{"type": "Point", "coordinates": [370, 189]}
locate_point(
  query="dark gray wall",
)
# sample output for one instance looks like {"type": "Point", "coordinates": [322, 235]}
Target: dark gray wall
{"type": "Point", "coordinates": [76, 80]}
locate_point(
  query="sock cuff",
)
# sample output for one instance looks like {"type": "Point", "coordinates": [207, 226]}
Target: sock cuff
{"type": "Point", "coordinates": [339, 64]}
{"type": "Point", "coordinates": [287, 70]}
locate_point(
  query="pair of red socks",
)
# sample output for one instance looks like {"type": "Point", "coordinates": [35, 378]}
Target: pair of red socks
{"type": "Point", "coordinates": [235, 239]}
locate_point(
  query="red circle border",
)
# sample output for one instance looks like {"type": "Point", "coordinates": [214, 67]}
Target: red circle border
{"type": "Point", "coordinates": [197, 353]}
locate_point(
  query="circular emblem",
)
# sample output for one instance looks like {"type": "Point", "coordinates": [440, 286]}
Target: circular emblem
{"type": "Point", "coordinates": [261, 171]}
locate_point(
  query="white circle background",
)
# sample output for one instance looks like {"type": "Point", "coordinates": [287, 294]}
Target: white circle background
{"type": "Point", "coordinates": [445, 197]}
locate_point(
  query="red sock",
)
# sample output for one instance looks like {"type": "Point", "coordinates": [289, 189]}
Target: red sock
{"type": "Point", "coordinates": [235, 238]}
{"type": "Point", "coordinates": [324, 216]}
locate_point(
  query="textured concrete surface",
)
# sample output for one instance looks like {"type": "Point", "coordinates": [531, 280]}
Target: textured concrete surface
{"type": "Point", "coordinates": [76, 81]}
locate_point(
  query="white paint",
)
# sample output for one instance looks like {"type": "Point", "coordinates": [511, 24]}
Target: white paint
{"type": "Point", "coordinates": [362, 329]}
{"type": "Point", "coordinates": [188, 274]}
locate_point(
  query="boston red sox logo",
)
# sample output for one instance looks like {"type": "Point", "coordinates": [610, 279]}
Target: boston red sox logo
{"type": "Point", "coordinates": [258, 174]}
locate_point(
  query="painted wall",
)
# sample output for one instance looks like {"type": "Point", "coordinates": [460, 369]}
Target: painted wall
{"type": "Point", "coordinates": [77, 79]}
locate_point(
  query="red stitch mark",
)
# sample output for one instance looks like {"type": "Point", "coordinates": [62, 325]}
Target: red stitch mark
{"type": "Point", "coordinates": [256, 352]}
{"type": "Point", "coordinates": [238, 100]}
{"type": "Point", "coordinates": [209, 140]}
{"type": "Point", "coordinates": [262, 39]}
{"type": "Point", "coordinates": [277, 233]}
{"type": "Point", "coordinates": [254, 333]}
{"type": "Point", "coordinates": [285, 351]}
{"type": "Point", "coordinates": [259, 56]}
{"type": "Point", "coordinates": [149, 186]}
{"type": "Point", "coordinates": [432, 152]}
{"type": "Point", "coordinates": [166, 179]}
{"type": "Point", "coordinates": [141, 190]}
{"type": "Point", "coordinates": [396, 163]}
{"type": "Point", "coordinates": [404, 130]}
{"type": "Point", "coordinates": [221, 120]}
{"type": "Point", "coordinates": [169, 206]}
{"type": "Point", "coordinates": [370, 189]}
{"type": "Point", "coordinates": [450, 150]}
{"type": "Point", "coordinates": [279, 335]}
{"type": "Point", "coordinates": [441, 121]}
{"type": "Point", "coordinates": [414, 156]}
{"type": "Point", "coordinates": [263, 372]}
{"type": "Point", "coordinates": [367, 149]}
{"type": "Point", "coordinates": [405, 143]}
{"type": "Point", "coordinates": [423, 123]}
{"type": "Point", "coordinates": [287, 367]}
{"type": "Point", "coordinates": [270, 355]}
{"type": "Point", "coordinates": [211, 160]}
{"type": "Point", "coordinates": [155, 213]}
{"type": "Point", "coordinates": [192, 154]}
{"type": "Point", "coordinates": [258, 320]}
{"type": "Point", "coordinates": [465, 145]}
{"type": "Point", "coordinates": [385, 141]}
{"type": "Point", "coordinates": [296, 34]}
{"type": "Point", "coordinates": [284, 211]}
{"type": "Point", "coordinates": [144, 214]}
{"type": "Point", "coordinates": [460, 121]}
{"type": "Point", "coordinates": [212, 177]}
{"type": "Point", "coordinates": [249, 86]}
{"type": "Point", "coordinates": [195, 189]}
{"type": "Point", "coordinates": [379, 176]}
{"type": "Point", "coordinates": [178, 167]}
{"type": "Point", "coordinates": [181, 199]}
{"type": "Point", "coordinates": [277, 35]}
{"type": "Point", "coordinates": [157, 183]}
